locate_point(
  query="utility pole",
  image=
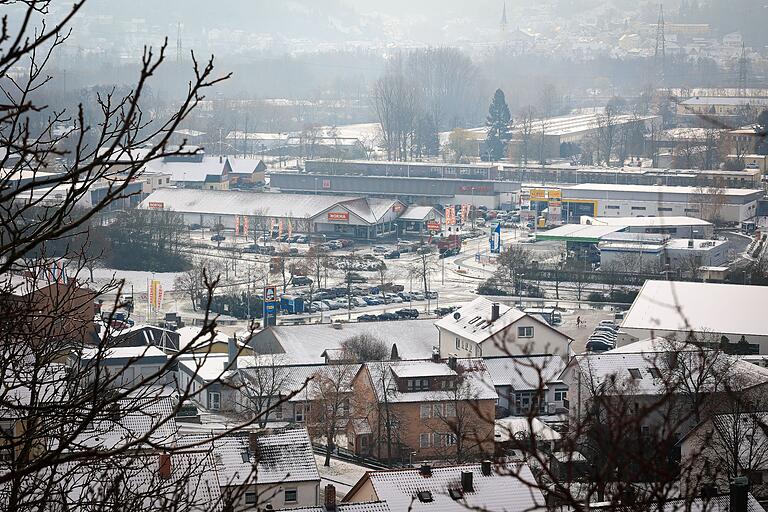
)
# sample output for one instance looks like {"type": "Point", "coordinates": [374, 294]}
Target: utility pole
{"type": "Point", "coordinates": [743, 71]}
{"type": "Point", "coordinates": [178, 43]}
{"type": "Point", "coordinates": [660, 52]}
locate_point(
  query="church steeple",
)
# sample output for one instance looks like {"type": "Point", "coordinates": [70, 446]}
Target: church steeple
{"type": "Point", "coordinates": [504, 17]}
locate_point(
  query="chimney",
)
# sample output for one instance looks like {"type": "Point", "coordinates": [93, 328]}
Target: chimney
{"type": "Point", "coordinates": [494, 311]}
{"type": "Point", "coordinates": [330, 497]}
{"type": "Point", "coordinates": [232, 351]}
{"type": "Point", "coordinates": [739, 490]}
{"type": "Point", "coordinates": [425, 470]}
{"type": "Point", "coordinates": [485, 467]}
{"type": "Point", "coordinates": [435, 355]}
{"type": "Point", "coordinates": [165, 469]}
{"type": "Point", "coordinates": [253, 444]}
{"type": "Point", "coordinates": [268, 507]}
{"type": "Point", "coordinates": [466, 481]}
{"type": "Point", "coordinates": [452, 362]}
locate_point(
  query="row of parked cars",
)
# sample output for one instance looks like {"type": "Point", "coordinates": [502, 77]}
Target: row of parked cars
{"type": "Point", "coordinates": [604, 337]}
{"type": "Point", "coordinates": [343, 302]}
{"type": "Point", "coordinates": [400, 314]}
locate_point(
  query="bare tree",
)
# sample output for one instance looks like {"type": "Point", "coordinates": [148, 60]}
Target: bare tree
{"type": "Point", "coordinates": [263, 387]}
{"type": "Point", "coordinates": [330, 389]}
{"type": "Point", "coordinates": [365, 347]}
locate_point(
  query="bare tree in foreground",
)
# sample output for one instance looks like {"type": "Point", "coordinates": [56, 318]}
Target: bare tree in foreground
{"type": "Point", "coordinates": [61, 401]}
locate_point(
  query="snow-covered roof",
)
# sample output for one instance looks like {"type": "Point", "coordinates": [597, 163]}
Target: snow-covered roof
{"type": "Point", "coordinates": [525, 372]}
{"type": "Point", "coordinates": [418, 213]}
{"type": "Point", "coordinates": [497, 491]}
{"type": "Point", "coordinates": [306, 343]}
{"type": "Point", "coordinates": [133, 420]}
{"type": "Point", "coordinates": [283, 457]}
{"type": "Point", "coordinates": [671, 221]}
{"type": "Point", "coordinates": [513, 427]}
{"type": "Point", "coordinates": [473, 321]}
{"type": "Point", "coordinates": [646, 373]}
{"type": "Point", "coordinates": [139, 352]}
{"type": "Point", "coordinates": [373, 506]}
{"type": "Point", "coordinates": [721, 309]}
{"type": "Point", "coordinates": [474, 381]}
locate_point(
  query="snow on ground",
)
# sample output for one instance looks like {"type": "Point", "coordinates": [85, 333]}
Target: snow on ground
{"type": "Point", "coordinates": [343, 475]}
{"type": "Point", "coordinates": [137, 279]}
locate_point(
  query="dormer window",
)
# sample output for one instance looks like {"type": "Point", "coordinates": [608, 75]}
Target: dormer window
{"type": "Point", "coordinates": [417, 384]}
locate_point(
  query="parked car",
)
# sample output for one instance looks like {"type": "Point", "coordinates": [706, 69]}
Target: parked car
{"type": "Point", "coordinates": [380, 250]}
{"type": "Point", "coordinates": [598, 346]}
{"type": "Point", "coordinates": [301, 281]}
{"type": "Point", "coordinates": [445, 311]}
{"type": "Point", "coordinates": [218, 237]}
{"type": "Point", "coordinates": [391, 297]}
{"type": "Point", "coordinates": [405, 295]}
{"type": "Point", "coordinates": [367, 318]}
{"type": "Point", "coordinates": [372, 301]}
{"type": "Point", "coordinates": [392, 255]}
{"type": "Point", "coordinates": [431, 295]}
{"type": "Point", "coordinates": [354, 277]}
{"type": "Point", "coordinates": [359, 302]}
{"type": "Point", "coordinates": [386, 317]}
{"type": "Point", "coordinates": [302, 239]}
{"type": "Point", "coordinates": [253, 249]}
{"type": "Point", "coordinates": [417, 296]}
{"type": "Point", "coordinates": [407, 313]}
{"type": "Point", "coordinates": [332, 304]}
{"type": "Point", "coordinates": [335, 244]}
{"type": "Point", "coordinates": [425, 249]}
{"type": "Point", "coordinates": [346, 242]}
{"type": "Point", "coordinates": [319, 305]}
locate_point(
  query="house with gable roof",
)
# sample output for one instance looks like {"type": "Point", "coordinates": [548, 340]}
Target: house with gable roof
{"type": "Point", "coordinates": [484, 328]}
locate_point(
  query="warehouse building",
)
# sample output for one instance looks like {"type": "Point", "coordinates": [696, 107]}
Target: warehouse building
{"type": "Point", "coordinates": [727, 205]}
{"type": "Point", "coordinates": [676, 227]}
{"type": "Point", "coordinates": [424, 191]}
{"type": "Point", "coordinates": [750, 177]}
{"type": "Point", "coordinates": [333, 216]}
{"type": "Point", "coordinates": [403, 169]}
{"type": "Point", "coordinates": [719, 315]}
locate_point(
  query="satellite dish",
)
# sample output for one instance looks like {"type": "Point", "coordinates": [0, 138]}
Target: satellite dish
{"type": "Point", "coordinates": [456, 315]}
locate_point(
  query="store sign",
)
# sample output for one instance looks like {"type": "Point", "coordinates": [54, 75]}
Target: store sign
{"type": "Point", "coordinates": [538, 194]}
{"type": "Point", "coordinates": [156, 205]}
{"type": "Point", "coordinates": [553, 194]}
{"type": "Point", "coordinates": [477, 189]}
{"type": "Point", "coordinates": [338, 216]}
{"type": "Point", "coordinates": [398, 207]}
{"type": "Point", "coordinates": [433, 225]}
{"type": "Point", "coordinates": [326, 184]}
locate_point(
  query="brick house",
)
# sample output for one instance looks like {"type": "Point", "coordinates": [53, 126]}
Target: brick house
{"type": "Point", "coordinates": [422, 410]}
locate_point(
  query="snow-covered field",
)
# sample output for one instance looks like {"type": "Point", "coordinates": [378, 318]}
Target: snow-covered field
{"type": "Point", "coordinates": [137, 279]}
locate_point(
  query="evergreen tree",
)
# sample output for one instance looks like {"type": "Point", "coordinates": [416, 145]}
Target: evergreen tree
{"type": "Point", "coordinates": [762, 129]}
{"type": "Point", "coordinates": [499, 122]}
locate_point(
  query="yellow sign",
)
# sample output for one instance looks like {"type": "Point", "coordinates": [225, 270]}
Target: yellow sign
{"type": "Point", "coordinates": [553, 194]}
{"type": "Point", "coordinates": [538, 193]}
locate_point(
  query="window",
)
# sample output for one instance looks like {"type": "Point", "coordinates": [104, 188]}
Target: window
{"type": "Point", "coordinates": [655, 373]}
{"type": "Point", "coordinates": [425, 411]}
{"type": "Point", "coordinates": [291, 495]}
{"type": "Point", "coordinates": [424, 440]}
{"type": "Point", "coordinates": [635, 373]}
{"type": "Point", "coordinates": [638, 208]}
{"type": "Point", "coordinates": [450, 410]}
{"type": "Point", "coordinates": [417, 384]}
{"type": "Point", "coordinates": [665, 209]}
{"type": "Point", "coordinates": [478, 351]}
{"type": "Point", "coordinates": [458, 342]}
{"type": "Point", "coordinates": [561, 394]}
{"type": "Point", "coordinates": [279, 412]}
{"type": "Point", "coordinates": [612, 207]}
{"type": "Point", "coordinates": [691, 210]}
{"type": "Point", "coordinates": [449, 439]}
{"type": "Point", "coordinates": [250, 498]}
{"type": "Point", "coordinates": [437, 410]}
{"type": "Point", "coordinates": [214, 400]}
{"type": "Point", "coordinates": [299, 413]}
{"type": "Point", "coordinates": [245, 456]}
{"type": "Point", "coordinates": [525, 332]}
